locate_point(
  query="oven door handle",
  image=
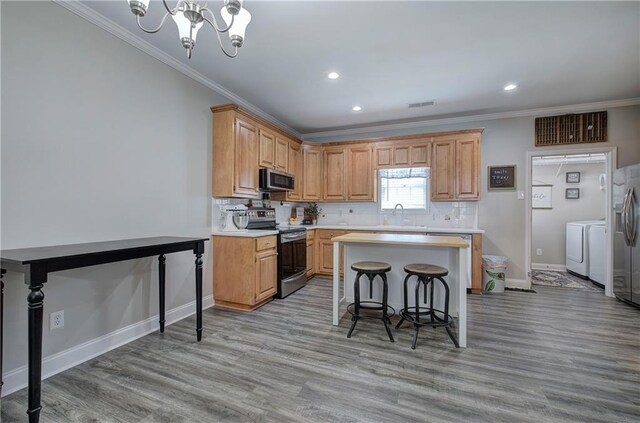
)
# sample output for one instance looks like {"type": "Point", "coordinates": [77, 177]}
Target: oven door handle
{"type": "Point", "coordinates": [293, 237]}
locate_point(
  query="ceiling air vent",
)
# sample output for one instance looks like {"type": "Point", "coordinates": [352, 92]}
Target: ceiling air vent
{"type": "Point", "coordinates": [424, 104]}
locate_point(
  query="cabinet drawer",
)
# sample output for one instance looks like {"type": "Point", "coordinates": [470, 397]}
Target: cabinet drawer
{"type": "Point", "coordinates": [266, 242]}
{"type": "Point", "coordinates": [330, 233]}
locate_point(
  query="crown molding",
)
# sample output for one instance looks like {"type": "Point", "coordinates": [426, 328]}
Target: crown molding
{"type": "Point", "coordinates": [85, 12]}
{"type": "Point", "coordinates": [573, 108]}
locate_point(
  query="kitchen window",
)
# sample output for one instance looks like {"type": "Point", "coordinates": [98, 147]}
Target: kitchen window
{"type": "Point", "coordinates": [407, 186]}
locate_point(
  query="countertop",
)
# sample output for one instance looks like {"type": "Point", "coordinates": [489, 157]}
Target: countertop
{"type": "Point", "coordinates": [393, 228]}
{"type": "Point", "coordinates": [244, 234]}
{"type": "Point", "coordinates": [403, 239]}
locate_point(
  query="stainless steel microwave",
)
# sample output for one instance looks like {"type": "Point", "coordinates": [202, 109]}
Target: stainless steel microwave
{"type": "Point", "coordinates": [276, 180]}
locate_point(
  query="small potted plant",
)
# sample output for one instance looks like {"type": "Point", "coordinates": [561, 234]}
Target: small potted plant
{"type": "Point", "coordinates": [313, 211]}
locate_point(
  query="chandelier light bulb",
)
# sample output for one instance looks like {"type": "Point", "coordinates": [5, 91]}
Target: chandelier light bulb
{"type": "Point", "coordinates": [239, 26]}
{"type": "Point", "coordinates": [184, 29]}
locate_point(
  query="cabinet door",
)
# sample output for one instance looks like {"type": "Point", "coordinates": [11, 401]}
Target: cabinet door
{"type": "Point", "coordinates": [310, 258]}
{"type": "Point", "coordinates": [282, 155]}
{"type": "Point", "coordinates": [325, 256]}
{"type": "Point", "coordinates": [334, 175]}
{"type": "Point", "coordinates": [442, 170]}
{"type": "Point", "coordinates": [360, 174]}
{"type": "Point", "coordinates": [295, 168]}
{"type": "Point", "coordinates": [266, 274]}
{"type": "Point", "coordinates": [384, 156]}
{"type": "Point", "coordinates": [419, 155]}
{"type": "Point", "coordinates": [467, 169]}
{"type": "Point", "coordinates": [267, 149]}
{"type": "Point", "coordinates": [246, 159]}
{"type": "Point", "coordinates": [401, 156]}
{"type": "Point", "coordinates": [312, 174]}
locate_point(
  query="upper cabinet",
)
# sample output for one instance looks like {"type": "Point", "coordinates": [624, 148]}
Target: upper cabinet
{"type": "Point", "coordinates": [242, 143]}
{"type": "Point", "coordinates": [282, 154]}
{"type": "Point", "coordinates": [345, 171]}
{"type": "Point", "coordinates": [312, 173]}
{"type": "Point", "coordinates": [335, 174]}
{"type": "Point", "coordinates": [442, 171]}
{"type": "Point", "coordinates": [455, 170]}
{"type": "Point", "coordinates": [402, 153]}
{"type": "Point", "coordinates": [361, 178]}
{"type": "Point", "coordinates": [267, 149]}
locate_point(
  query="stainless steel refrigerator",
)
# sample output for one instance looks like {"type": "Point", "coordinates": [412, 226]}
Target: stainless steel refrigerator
{"type": "Point", "coordinates": [626, 255]}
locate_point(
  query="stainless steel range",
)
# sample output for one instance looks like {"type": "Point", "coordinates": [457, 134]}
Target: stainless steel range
{"type": "Point", "coordinates": [292, 250]}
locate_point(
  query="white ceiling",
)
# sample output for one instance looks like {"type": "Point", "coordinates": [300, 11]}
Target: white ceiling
{"type": "Point", "coordinates": [390, 54]}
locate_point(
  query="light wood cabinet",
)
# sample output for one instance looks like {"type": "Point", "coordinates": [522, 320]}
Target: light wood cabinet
{"type": "Point", "coordinates": [267, 149]}
{"type": "Point", "coordinates": [442, 170]}
{"type": "Point", "coordinates": [325, 251]}
{"type": "Point", "coordinates": [312, 173]}
{"type": "Point", "coordinates": [361, 179]}
{"type": "Point", "coordinates": [282, 155]}
{"type": "Point", "coordinates": [311, 253]}
{"type": "Point", "coordinates": [335, 186]}
{"type": "Point", "coordinates": [455, 170]}
{"type": "Point", "coordinates": [244, 271]}
{"type": "Point", "coordinates": [266, 274]}
{"type": "Point", "coordinates": [295, 168]}
{"type": "Point", "coordinates": [403, 154]}
{"type": "Point", "coordinates": [467, 184]}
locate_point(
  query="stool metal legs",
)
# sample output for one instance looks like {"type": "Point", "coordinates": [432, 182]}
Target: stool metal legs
{"type": "Point", "coordinates": [413, 314]}
{"type": "Point", "coordinates": [383, 306]}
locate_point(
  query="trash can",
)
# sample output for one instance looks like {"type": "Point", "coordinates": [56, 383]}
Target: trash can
{"type": "Point", "coordinates": [494, 271]}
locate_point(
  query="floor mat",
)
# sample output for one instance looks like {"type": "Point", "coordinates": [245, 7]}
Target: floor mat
{"type": "Point", "coordinates": [560, 280]}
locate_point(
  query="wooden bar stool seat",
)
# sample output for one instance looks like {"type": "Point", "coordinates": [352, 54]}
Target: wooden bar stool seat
{"type": "Point", "coordinates": [371, 269]}
{"type": "Point", "coordinates": [426, 314]}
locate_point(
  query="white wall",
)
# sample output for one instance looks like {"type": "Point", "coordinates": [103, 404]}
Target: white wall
{"type": "Point", "coordinates": [505, 142]}
{"type": "Point", "coordinates": [99, 142]}
{"type": "Point", "coordinates": [548, 226]}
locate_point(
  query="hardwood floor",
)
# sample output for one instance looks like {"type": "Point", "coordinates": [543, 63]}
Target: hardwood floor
{"type": "Point", "coordinates": [551, 356]}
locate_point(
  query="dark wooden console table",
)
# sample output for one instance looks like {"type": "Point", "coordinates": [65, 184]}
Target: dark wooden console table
{"type": "Point", "coordinates": [37, 262]}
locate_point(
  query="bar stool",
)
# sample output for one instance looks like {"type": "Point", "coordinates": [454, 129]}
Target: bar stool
{"type": "Point", "coordinates": [427, 275]}
{"type": "Point", "coordinates": [371, 269]}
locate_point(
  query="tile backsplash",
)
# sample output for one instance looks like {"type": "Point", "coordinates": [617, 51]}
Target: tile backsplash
{"type": "Point", "coordinates": [458, 214]}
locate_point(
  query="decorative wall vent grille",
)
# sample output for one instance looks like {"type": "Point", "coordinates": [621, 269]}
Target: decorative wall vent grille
{"type": "Point", "coordinates": [571, 129]}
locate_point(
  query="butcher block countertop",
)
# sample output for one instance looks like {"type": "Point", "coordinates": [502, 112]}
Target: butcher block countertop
{"type": "Point", "coordinates": [402, 239]}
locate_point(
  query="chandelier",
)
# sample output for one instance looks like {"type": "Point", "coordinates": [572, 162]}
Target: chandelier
{"type": "Point", "coordinates": [190, 15]}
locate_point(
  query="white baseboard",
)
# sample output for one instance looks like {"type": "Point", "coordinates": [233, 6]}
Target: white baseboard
{"type": "Point", "coordinates": [518, 283]}
{"type": "Point", "coordinates": [544, 266]}
{"type": "Point", "coordinates": [63, 360]}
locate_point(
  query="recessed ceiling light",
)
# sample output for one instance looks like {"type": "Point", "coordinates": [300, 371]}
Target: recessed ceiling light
{"type": "Point", "coordinates": [510, 87]}
{"type": "Point", "coordinates": [356, 108]}
{"type": "Point", "coordinates": [333, 75]}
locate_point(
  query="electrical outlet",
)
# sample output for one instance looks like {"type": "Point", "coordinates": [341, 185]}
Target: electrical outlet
{"type": "Point", "coordinates": [56, 320]}
{"type": "Point", "coordinates": [539, 251]}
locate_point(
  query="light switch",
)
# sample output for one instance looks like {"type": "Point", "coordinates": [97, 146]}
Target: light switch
{"type": "Point", "coordinates": [520, 195]}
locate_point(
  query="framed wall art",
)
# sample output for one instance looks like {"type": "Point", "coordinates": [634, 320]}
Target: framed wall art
{"type": "Point", "coordinates": [573, 177]}
{"type": "Point", "coordinates": [541, 196]}
{"type": "Point", "coordinates": [572, 193]}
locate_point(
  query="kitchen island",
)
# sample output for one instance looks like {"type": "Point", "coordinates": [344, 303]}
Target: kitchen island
{"type": "Point", "coordinates": [399, 250]}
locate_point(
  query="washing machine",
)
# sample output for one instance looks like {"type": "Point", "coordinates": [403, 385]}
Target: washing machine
{"type": "Point", "coordinates": [577, 247]}
{"type": "Point", "coordinates": [597, 255]}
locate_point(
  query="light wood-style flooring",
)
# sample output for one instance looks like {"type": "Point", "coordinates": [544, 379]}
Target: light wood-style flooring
{"type": "Point", "coordinates": [553, 356]}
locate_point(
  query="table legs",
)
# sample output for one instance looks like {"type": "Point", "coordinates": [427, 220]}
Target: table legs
{"type": "Point", "coordinates": [161, 295]}
{"type": "Point", "coordinates": [36, 277]}
{"type": "Point", "coordinates": [2, 272]}
{"type": "Point", "coordinates": [198, 251]}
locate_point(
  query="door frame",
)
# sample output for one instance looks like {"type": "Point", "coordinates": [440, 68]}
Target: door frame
{"type": "Point", "coordinates": [610, 165]}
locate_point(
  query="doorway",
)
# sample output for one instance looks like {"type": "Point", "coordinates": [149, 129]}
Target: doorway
{"type": "Point", "coordinates": [568, 242]}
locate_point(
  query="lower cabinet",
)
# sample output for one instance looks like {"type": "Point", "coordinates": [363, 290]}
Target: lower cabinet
{"type": "Point", "coordinates": [325, 251]}
{"type": "Point", "coordinates": [311, 253]}
{"type": "Point", "coordinates": [245, 271]}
